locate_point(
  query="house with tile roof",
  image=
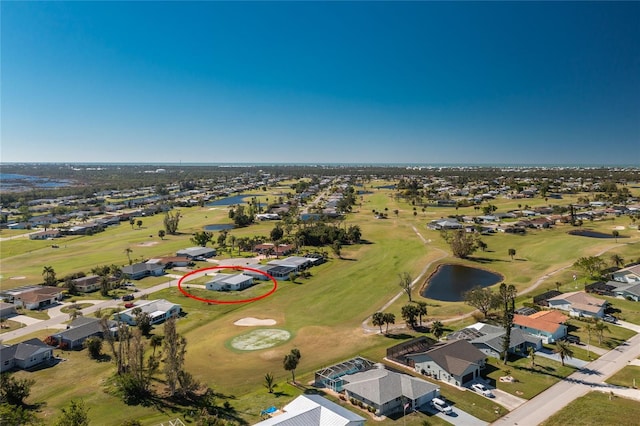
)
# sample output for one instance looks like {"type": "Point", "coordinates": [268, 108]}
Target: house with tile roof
{"type": "Point", "coordinates": [387, 391]}
{"type": "Point", "coordinates": [24, 355]}
{"type": "Point", "coordinates": [579, 304]}
{"type": "Point", "coordinates": [456, 362]}
{"type": "Point", "coordinates": [313, 410]}
{"type": "Point", "coordinates": [547, 325]}
{"type": "Point", "coordinates": [38, 297]}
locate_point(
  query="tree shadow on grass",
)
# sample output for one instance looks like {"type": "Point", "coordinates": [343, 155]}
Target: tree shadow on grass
{"type": "Point", "coordinates": [399, 336]}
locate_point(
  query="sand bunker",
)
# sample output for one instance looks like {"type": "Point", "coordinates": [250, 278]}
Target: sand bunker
{"type": "Point", "coordinates": [250, 321]}
{"type": "Point", "coordinates": [149, 244]}
{"type": "Point", "coordinates": [618, 228]}
{"type": "Point", "coordinates": [260, 339]}
{"type": "Point", "coordinates": [18, 278]}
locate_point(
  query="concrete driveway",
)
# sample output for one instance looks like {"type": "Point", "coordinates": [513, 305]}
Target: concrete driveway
{"type": "Point", "coordinates": [573, 362]}
{"type": "Point", "coordinates": [458, 417]}
{"type": "Point", "coordinates": [25, 319]}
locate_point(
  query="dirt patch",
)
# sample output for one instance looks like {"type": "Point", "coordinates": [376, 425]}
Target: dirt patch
{"type": "Point", "coordinates": [21, 277]}
{"type": "Point", "coordinates": [251, 322]}
{"type": "Point", "coordinates": [260, 339]}
{"type": "Point", "coordinates": [149, 244]}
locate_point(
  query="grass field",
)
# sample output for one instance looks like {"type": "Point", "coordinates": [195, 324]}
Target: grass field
{"type": "Point", "coordinates": [596, 409]}
{"type": "Point", "coordinates": [626, 376]}
{"type": "Point", "coordinates": [323, 313]}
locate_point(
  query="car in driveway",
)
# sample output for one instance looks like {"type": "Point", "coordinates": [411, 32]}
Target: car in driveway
{"type": "Point", "coordinates": [127, 297]}
{"type": "Point", "coordinates": [441, 406]}
{"type": "Point", "coordinates": [610, 318]}
{"type": "Point", "coordinates": [482, 390]}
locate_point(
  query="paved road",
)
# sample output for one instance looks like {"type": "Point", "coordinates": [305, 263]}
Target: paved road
{"type": "Point", "coordinates": [590, 378]}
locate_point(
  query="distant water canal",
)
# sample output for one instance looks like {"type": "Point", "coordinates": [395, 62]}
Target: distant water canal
{"type": "Point", "coordinates": [228, 201]}
{"type": "Point", "coordinates": [450, 282]}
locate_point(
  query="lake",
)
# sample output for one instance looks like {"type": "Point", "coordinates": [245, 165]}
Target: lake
{"type": "Point", "coordinates": [450, 282]}
{"type": "Point", "coordinates": [219, 226]}
{"type": "Point", "coordinates": [228, 201]}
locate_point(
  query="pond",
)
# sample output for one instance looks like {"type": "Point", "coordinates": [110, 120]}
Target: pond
{"type": "Point", "coordinates": [450, 282]}
{"type": "Point", "coordinates": [592, 234]}
{"type": "Point", "coordinates": [235, 199]}
{"type": "Point", "coordinates": [219, 226]}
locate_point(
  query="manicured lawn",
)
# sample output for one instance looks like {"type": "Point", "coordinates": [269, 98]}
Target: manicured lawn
{"type": "Point", "coordinates": [612, 338]}
{"type": "Point", "coordinates": [9, 325]}
{"type": "Point", "coordinates": [596, 409]}
{"type": "Point", "coordinates": [623, 309]}
{"type": "Point", "coordinates": [530, 380]}
{"type": "Point", "coordinates": [626, 376]}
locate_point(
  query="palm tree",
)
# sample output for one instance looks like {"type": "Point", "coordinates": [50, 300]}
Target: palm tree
{"type": "Point", "coordinates": [532, 354]}
{"type": "Point", "coordinates": [161, 234]}
{"type": "Point", "coordinates": [437, 329]}
{"type": "Point", "coordinates": [422, 310]}
{"type": "Point", "coordinates": [291, 361]}
{"type": "Point", "coordinates": [589, 329]}
{"type": "Point", "coordinates": [512, 252]}
{"type": "Point", "coordinates": [617, 260]}
{"type": "Point", "coordinates": [563, 349]}
{"type": "Point", "coordinates": [615, 234]}
{"type": "Point", "coordinates": [378, 320]}
{"type": "Point", "coordinates": [600, 328]}
{"type": "Point", "coordinates": [128, 252]}
{"type": "Point", "coordinates": [389, 318]}
{"type": "Point", "coordinates": [269, 382]}
{"type": "Point", "coordinates": [49, 275]}
{"type": "Point", "coordinates": [156, 342]}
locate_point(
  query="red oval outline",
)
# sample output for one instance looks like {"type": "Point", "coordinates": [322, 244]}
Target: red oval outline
{"type": "Point", "coordinates": [228, 302]}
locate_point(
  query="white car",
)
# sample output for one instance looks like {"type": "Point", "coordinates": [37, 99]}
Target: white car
{"type": "Point", "coordinates": [482, 390]}
{"type": "Point", "coordinates": [441, 406]}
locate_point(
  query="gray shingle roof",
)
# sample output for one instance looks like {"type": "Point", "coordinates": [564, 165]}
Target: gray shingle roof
{"type": "Point", "coordinates": [381, 386]}
{"type": "Point", "coordinates": [455, 356]}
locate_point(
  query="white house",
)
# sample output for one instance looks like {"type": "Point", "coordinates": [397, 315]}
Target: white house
{"type": "Point", "coordinates": [313, 410]}
{"type": "Point", "coordinates": [630, 274]}
{"type": "Point", "coordinates": [159, 310]}
{"type": "Point", "coordinates": [579, 304]}
{"type": "Point", "coordinates": [548, 325]}
{"type": "Point", "coordinates": [229, 282]}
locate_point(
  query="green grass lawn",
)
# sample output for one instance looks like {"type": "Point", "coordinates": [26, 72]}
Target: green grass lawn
{"type": "Point", "coordinates": [626, 376]}
{"type": "Point", "coordinates": [597, 409]}
{"type": "Point", "coordinates": [612, 338]}
{"type": "Point", "coordinates": [530, 380]}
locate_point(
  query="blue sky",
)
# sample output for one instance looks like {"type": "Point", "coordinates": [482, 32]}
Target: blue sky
{"type": "Point", "coordinates": [356, 82]}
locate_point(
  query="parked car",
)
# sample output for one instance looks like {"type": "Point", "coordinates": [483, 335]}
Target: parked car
{"type": "Point", "coordinates": [610, 318]}
{"type": "Point", "coordinates": [482, 390]}
{"type": "Point", "coordinates": [129, 305]}
{"type": "Point", "coordinates": [573, 339]}
{"type": "Point", "coordinates": [441, 406]}
{"type": "Point", "coordinates": [127, 297]}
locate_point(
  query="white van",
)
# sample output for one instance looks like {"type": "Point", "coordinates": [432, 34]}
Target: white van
{"type": "Point", "coordinates": [441, 406]}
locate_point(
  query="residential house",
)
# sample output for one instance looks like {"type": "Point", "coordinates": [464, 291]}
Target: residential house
{"type": "Point", "coordinates": [313, 410]}
{"type": "Point", "coordinates": [45, 235]}
{"type": "Point", "coordinates": [630, 274]}
{"type": "Point", "coordinates": [630, 291]}
{"type": "Point", "coordinates": [7, 310]}
{"type": "Point", "coordinates": [199, 252]}
{"type": "Point", "coordinates": [579, 304]}
{"type": "Point", "coordinates": [442, 224]}
{"type": "Point", "coordinates": [24, 355]}
{"type": "Point", "coordinates": [387, 391]}
{"type": "Point", "coordinates": [159, 310]}
{"type": "Point", "coordinates": [273, 250]}
{"type": "Point", "coordinates": [169, 262]}
{"type": "Point", "coordinates": [229, 282]}
{"type": "Point", "coordinates": [38, 298]}
{"type": "Point", "coordinates": [548, 325]}
{"type": "Point", "coordinates": [455, 362]}
{"type": "Point", "coordinates": [80, 330]}
{"type": "Point", "coordinates": [296, 262]}
{"type": "Point", "coordinates": [87, 284]}
{"type": "Point", "coordinates": [141, 270]}
{"type": "Point", "coordinates": [488, 339]}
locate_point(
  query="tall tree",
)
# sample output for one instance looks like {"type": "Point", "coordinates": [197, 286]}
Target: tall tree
{"type": "Point", "coordinates": [512, 252]}
{"type": "Point", "coordinates": [422, 310]}
{"type": "Point", "coordinates": [564, 350]}
{"type": "Point", "coordinates": [409, 314]}
{"type": "Point", "coordinates": [462, 243]}
{"type": "Point", "coordinates": [171, 222]}
{"type": "Point", "coordinates": [291, 361]}
{"type": "Point", "coordinates": [532, 355]}
{"type": "Point", "coordinates": [507, 300]}
{"type": "Point", "coordinates": [49, 275]}
{"type": "Point", "coordinates": [617, 260]}
{"type": "Point", "coordinates": [615, 234]}
{"type": "Point", "coordinates": [591, 265]}
{"type": "Point", "coordinates": [437, 328]}
{"type": "Point", "coordinates": [76, 414]}
{"type": "Point", "coordinates": [482, 299]}
{"type": "Point", "coordinates": [128, 252]}
{"type": "Point", "coordinates": [139, 223]}
{"type": "Point", "coordinates": [174, 351]}
{"type": "Point", "coordinates": [201, 238]}
{"type": "Point", "coordinates": [405, 283]}
{"type": "Point", "coordinates": [377, 320]}
{"type": "Point", "coordinates": [600, 327]}
{"type": "Point", "coordinates": [161, 234]}
{"type": "Point", "coordinates": [94, 347]}
{"type": "Point", "coordinates": [14, 390]}
{"type": "Point", "coordinates": [389, 318]}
